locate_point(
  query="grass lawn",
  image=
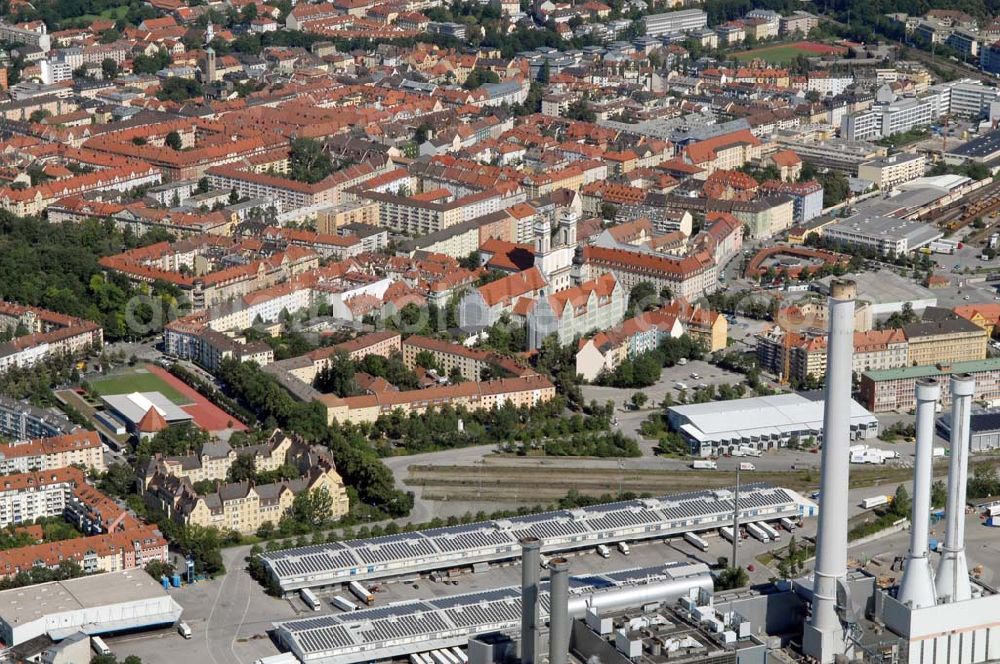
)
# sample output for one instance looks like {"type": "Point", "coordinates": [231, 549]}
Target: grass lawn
{"type": "Point", "coordinates": [137, 380]}
{"type": "Point", "coordinates": [774, 55]}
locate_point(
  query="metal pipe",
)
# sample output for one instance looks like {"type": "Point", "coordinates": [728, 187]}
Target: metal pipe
{"type": "Point", "coordinates": [952, 580]}
{"type": "Point", "coordinates": [917, 585]}
{"type": "Point", "coordinates": [824, 636]}
{"type": "Point", "coordinates": [530, 563]}
{"type": "Point", "coordinates": [559, 611]}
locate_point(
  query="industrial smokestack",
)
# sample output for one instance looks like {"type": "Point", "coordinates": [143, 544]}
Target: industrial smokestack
{"type": "Point", "coordinates": [530, 564]}
{"type": "Point", "coordinates": [952, 580]}
{"type": "Point", "coordinates": [559, 611]}
{"type": "Point", "coordinates": [917, 586]}
{"type": "Point", "coordinates": [824, 636]}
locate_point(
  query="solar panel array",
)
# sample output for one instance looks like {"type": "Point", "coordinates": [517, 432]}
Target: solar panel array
{"type": "Point", "coordinates": [400, 554]}
{"type": "Point", "coordinates": [349, 636]}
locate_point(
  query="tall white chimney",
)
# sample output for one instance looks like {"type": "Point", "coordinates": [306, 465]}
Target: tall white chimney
{"type": "Point", "coordinates": [952, 580]}
{"type": "Point", "coordinates": [824, 636]}
{"type": "Point", "coordinates": [917, 586]}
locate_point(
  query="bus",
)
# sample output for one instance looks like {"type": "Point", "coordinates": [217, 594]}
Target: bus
{"type": "Point", "coordinates": [696, 541]}
{"type": "Point", "coordinates": [361, 592]}
{"type": "Point", "coordinates": [309, 597]}
{"type": "Point", "coordinates": [343, 604]}
{"type": "Point", "coordinates": [757, 533]}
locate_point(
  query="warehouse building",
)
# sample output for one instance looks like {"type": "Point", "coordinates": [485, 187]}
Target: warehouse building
{"type": "Point", "coordinates": [984, 429]}
{"type": "Point", "coordinates": [404, 554]}
{"type": "Point", "coordinates": [395, 631]}
{"type": "Point", "coordinates": [674, 23]}
{"type": "Point", "coordinates": [95, 604]}
{"type": "Point", "coordinates": [763, 423]}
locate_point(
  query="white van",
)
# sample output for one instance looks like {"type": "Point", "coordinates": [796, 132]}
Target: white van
{"type": "Point", "coordinates": [184, 629]}
{"type": "Point", "coordinates": [623, 547]}
{"type": "Point", "coordinates": [603, 551]}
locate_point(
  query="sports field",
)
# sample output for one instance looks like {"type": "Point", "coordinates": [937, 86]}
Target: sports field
{"type": "Point", "coordinates": [139, 379]}
{"type": "Point", "coordinates": [783, 53]}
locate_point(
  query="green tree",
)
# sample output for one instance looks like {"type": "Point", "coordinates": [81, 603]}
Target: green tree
{"type": "Point", "coordinates": [639, 399]}
{"type": "Point", "coordinates": [173, 141]}
{"type": "Point", "coordinates": [642, 297]}
{"type": "Point", "coordinates": [118, 480]}
{"type": "Point", "coordinates": [179, 89]}
{"type": "Point", "coordinates": [158, 569]}
{"type": "Point", "coordinates": [313, 507]}
{"type": "Point", "coordinates": [308, 161]}
{"type": "Point", "coordinates": [109, 69]}
{"type": "Point", "coordinates": [243, 469]}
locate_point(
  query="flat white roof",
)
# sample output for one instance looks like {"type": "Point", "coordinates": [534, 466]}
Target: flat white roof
{"type": "Point", "coordinates": [758, 416]}
{"type": "Point", "coordinates": [133, 406]}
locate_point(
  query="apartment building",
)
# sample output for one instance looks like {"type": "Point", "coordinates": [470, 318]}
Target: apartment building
{"type": "Point", "coordinates": [215, 459]}
{"type": "Point", "coordinates": [471, 363]}
{"type": "Point", "coordinates": [82, 448]}
{"type": "Point", "coordinates": [35, 200]}
{"type": "Point", "coordinates": [807, 197]}
{"type": "Point", "coordinates": [25, 497]}
{"type": "Point", "coordinates": [597, 304]}
{"type": "Point", "coordinates": [887, 172]}
{"type": "Point", "coordinates": [687, 277]}
{"type": "Point", "coordinates": [290, 194]}
{"type": "Point", "coordinates": [17, 35]}
{"type": "Point", "coordinates": [893, 389]}
{"type": "Point", "coordinates": [519, 392]}
{"type": "Point", "coordinates": [795, 356]}
{"type": "Point", "coordinates": [727, 151]}
{"type": "Point", "coordinates": [244, 506]}
{"type": "Point", "coordinates": [21, 421]}
{"type": "Point", "coordinates": [48, 334]}
{"type": "Point", "coordinates": [944, 337]}
{"type": "Point", "coordinates": [607, 349]}
{"type": "Point", "coordinates": [115, 539]}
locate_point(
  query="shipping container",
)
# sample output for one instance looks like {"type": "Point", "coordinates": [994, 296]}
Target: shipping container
{"type": "Point", "coordinates": [361, 592]}
{"type": "Point", "coordinates": [344, 604]}
{"type": "Point", "coordinates": [310, 599]}
{"type": "Point", "coordinates": [696, 541]}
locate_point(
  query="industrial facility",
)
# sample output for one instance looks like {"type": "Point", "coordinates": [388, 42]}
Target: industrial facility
{"type": "Point", "coordinates": [493, 541]}
{"type": "Point", "coordinates": [94, 604]}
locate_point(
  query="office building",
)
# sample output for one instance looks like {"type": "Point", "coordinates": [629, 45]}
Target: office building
{"type": "Point", "coordinates": [887, 172]}
{"type": "Point", "coordinates": [675, 23]}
